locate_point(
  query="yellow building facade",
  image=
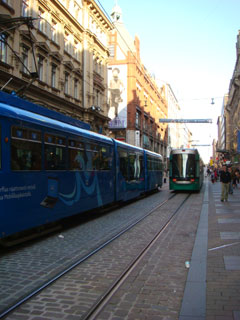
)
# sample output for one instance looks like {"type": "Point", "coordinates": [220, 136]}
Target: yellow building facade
{"type": "Point", "coordinates": [232, 113]}
{"type": "Point", "coordinates": [55, 53]}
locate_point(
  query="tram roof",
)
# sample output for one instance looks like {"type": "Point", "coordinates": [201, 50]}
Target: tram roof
{"type": "Point", "coordinates": [127, 145]}
{"type": "Point", "coordinates": [130, 146]}
{"type": "Point", "coordinates": [153, 153]}
{"type": "Point", "coordinates": [16, 101]}
{"type": "Point", "coordinates": [8, 111]}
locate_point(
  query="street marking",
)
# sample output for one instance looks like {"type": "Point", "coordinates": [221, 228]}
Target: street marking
{"type": "Point", "coordinates": [224, 246]}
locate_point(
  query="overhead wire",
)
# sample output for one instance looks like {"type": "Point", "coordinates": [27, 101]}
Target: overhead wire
{"type": "Point", "coordinates": [141, 64]}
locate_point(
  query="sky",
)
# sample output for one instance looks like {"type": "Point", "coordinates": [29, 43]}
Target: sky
{"type": "Point", "coordinates": [191, 45]}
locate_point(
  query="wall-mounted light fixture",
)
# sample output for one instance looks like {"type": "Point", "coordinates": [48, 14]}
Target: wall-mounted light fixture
{"type": "Point", "coordinates": [95, 108]}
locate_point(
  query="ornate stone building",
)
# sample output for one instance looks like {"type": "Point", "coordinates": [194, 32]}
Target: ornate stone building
{"type": "Point", "coordinates": [55, 53]}
{"type": "Point", "coordinates": [136, 101]}
{"type": "Point", "coordinates": [232, 112]}
{"type": "Point", "coordinates": [221, 152]}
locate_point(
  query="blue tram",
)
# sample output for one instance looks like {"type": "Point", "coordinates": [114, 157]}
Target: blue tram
{"type": "Point", "coordinates": [52, 168]}
{"type": "Point", "coordinates": [186, 170]}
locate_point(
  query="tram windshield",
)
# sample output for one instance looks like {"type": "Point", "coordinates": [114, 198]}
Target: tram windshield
{"type": "Point", "coordinates": [183, 165]}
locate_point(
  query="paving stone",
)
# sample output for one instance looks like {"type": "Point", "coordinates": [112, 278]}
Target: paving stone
{"type": "Point", "coordinates": [232, 262]}
{"type": "Point", "coordinates": [228, 235]}
{"type": "Point", "coordinates": [228, 220]}
{"type": "Point", "coordinates": [236, 315]}
{"type": "Point", "coordinates": [155, 289]}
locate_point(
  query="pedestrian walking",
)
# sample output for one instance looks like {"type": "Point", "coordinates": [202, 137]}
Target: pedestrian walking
{"type": "Point", "coordinates": [232, 174]}
{"type": "Point", "coordinates": [225, 179]}
{"type": "Point", "coordinates": [212, 177]}
{"type": "Point", "coordinates": [236, 179]}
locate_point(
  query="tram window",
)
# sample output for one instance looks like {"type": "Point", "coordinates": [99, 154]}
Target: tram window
{"type": "Point", "coordinates": [56, 140]}
{"type": "Point", "coordinates": [95, 157]}
{"type": "Point", "coordinates": [161, 164]}
{"type": "Point", "coordinates": [76, 159]}
{"type": "Point", "coordinates": [123, 162]}
{"type": "Point", "coordinates": [88, 158]}
{"type": "Point", "coordinates": [183, 165]}
{"type": "Point", "coordinates": [191, 168]}
{"type": "Point", "coordinates": [132, 160]}
{"type": "Point", "coordinates": [105, 158]}
{"type": "Point", "coordinates": [55, 152]}
{"type": "Point", "coordinates": [150, 163]}
{"type": "Point", "coordinates": [157, 164]}
{"type": "Point", "coordinates": [176, 165]}
{"type": "Point", "coordinates": [76, 155]}
{"type": "Point", "coordinates": [0, 149]}
{"type": "Point", "coordinates": [141, 165]}
{"type": "Point", "coordinates": [135, 166]}
{"type": "Point", "coordinates": [154, 164]}
{"type": "Point", "coordinates": [26, 152]}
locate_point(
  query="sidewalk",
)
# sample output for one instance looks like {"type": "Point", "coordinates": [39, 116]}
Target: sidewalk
{"type": "Point", "coordinates": [212, 290]}
{"type": "Point", "coordinates": [223, 260]}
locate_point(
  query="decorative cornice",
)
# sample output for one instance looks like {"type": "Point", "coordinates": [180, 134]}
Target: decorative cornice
{"type": "Point", "coordinates": [57, 56]}
{"type": "Point", "coordinates": [68, 64]}
{"type": "Point", "coordinates": [43, 46]}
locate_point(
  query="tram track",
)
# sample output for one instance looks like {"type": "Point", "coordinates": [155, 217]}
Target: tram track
{"type": "Point", "coordinates": [108, 293]}
{"type": "Point", "coordinates": [104, 299]}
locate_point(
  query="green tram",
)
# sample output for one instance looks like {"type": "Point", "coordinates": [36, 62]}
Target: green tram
{"type": "Point", "coordinates": [186, 170]}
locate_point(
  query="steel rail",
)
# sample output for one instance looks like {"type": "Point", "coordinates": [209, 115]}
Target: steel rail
{"type": "Point", "coordinates": [79, 261]}
{"type": "Point", "coordinates": [104, 299]}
